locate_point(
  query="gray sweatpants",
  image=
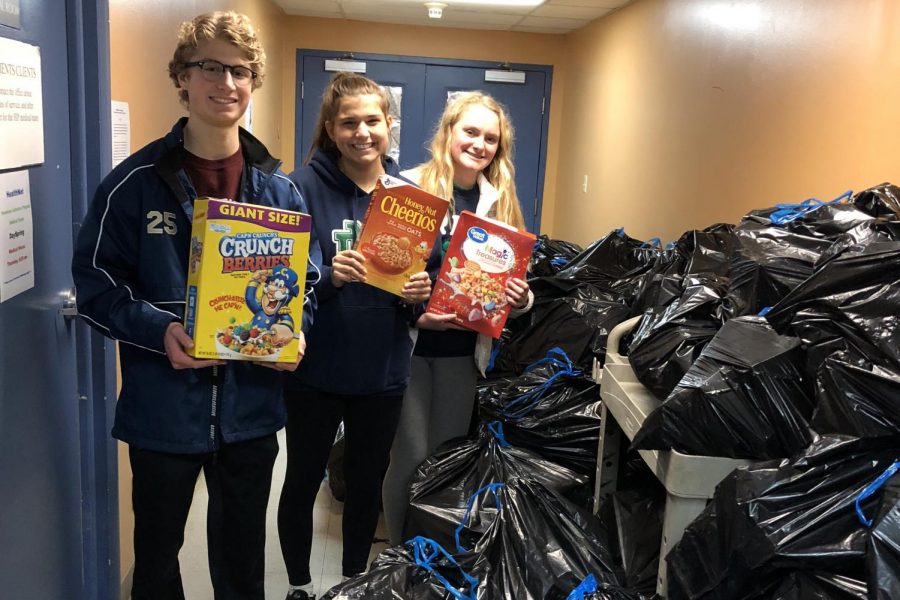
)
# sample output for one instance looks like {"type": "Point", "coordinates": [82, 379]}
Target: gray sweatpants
{"type": "Point", "coordinates": [437, 407]}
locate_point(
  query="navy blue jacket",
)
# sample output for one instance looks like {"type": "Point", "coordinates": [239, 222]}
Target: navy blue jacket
{"type": "Point", "coordinates": [130, 271]}
{"type": "Point", "coordinates": [361, 342]}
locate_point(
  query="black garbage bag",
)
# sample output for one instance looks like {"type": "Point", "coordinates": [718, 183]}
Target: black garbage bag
{"type": "Point", "coordinates": [703, 254]}
{"type": "Point", "coordinates": [851, 304]}
{"type": "Point", "coordinates": [639, 528]}
{"type": "Point", "coordinates": [814, 585]}
{"type": "Point", "coordinates": [536, 538]}
{"type": "Point", "coordinates": [633, 514]}
{"type": "Point", "coordinates": [576, 317]}
{"type": "Point", "coordinates": [551, 256]}
{"type": "Point", "coordinates": [880, 201]}
{"type": "Point", "coordinates": [814, 218]}
{"type": "Point", "coordinates": [860, 237]}
{"type": "Point", "coordinates": [883, 561]}
{"type": "Point", "coordinates": [744, 397]}
{"type": "Point", "coordinates": [778, 248]}
{"type": "Point", "coordinates": [615, 263]}
{"type": "Point", "coordinates": [663, 282]}
{"type": "Point", "coordinates": [769, 261]}
{"type": "Point", "coordinates": [708, 250]}
{"type": "Point", "coordinates": [862, 401]}
{"type": "Point", "coordinates": [776, 517]}
{"type": "Point", "coordinates": [420, 569]}
{"type": "Point", "coordinates": [666, 345]}
{"type": "Point", "coordinates": [443, 483]}
{"type": "Point", "coordinates": [588, 589]}
{"type": "Point", "coordinates": [552, 409]}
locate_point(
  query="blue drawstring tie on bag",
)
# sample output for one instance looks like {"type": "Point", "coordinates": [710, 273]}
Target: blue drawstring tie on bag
{"type": "Point", "coordinates": [426, 551]}
{"type": "Point", "coordinates": [493, 487]}
{"type": "Point", "coordinates": [496, 427]}
{"type": "Point", "coordinates": [556, 357]}
{"type": "Point", "coordinates": [787, 212]}
{"type": "Point", "coordinates": [588, 586]}
{"type": "Point", "coordinates": [871, 489]}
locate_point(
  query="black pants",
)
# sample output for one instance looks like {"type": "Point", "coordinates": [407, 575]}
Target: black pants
{"type": "Point", "coordinates": [369, 426]}
{"type": "Point", "coordinates": [239, 478]}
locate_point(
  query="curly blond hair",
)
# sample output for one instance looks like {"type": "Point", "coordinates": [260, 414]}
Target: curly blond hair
{"type": "Point", "coordinates": [232, 27]}
{"type": "Point", "coordinates": [436, 175]}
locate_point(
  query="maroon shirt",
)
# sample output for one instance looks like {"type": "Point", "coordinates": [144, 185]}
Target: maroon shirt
{"type": "Point", "coordinates": [216, 178]}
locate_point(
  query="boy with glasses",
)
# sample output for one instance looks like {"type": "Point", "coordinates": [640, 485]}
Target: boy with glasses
{"type": "Point", "coordinates": [181, 415]}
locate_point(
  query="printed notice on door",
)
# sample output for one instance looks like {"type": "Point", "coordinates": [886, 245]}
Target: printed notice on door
{"type": "Point", "coordinates": [16, 243]}
{"type": "Point", "coordinates": [21, 106]}
{"type": "Point", "coordinates": [121, 132]}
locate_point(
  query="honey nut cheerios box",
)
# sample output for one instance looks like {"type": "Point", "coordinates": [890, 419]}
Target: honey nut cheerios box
{"type": "Point", "coordinates": [246, 279]}
{"type": "Point", "coordinates": [482, 255]}
{"type": "Point", "coordinates": [398, 231]}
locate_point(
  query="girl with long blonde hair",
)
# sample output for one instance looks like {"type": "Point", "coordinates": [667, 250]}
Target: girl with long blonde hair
{"type": "Point", "coordinates": [471, 165]}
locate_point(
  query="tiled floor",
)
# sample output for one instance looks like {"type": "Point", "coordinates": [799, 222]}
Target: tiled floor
{"type": "Point", "coordinates": [326, 551]}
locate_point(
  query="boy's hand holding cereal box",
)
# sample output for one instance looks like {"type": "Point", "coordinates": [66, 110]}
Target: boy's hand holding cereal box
{"type": "Point", "coordinates": [479, 274]}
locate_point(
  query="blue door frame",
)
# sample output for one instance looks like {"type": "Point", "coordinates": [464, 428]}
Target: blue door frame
{"type": "Point", "coordinates": [59, 519]}
{"type": "Point", "coordinates": [90, 122]}
{"type": "Point", "coordinates": [532, 203]}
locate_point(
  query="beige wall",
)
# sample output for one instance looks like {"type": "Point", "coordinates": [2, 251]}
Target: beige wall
{"type": "Point", "coordinates": [379, 38]}
{"type": "Point", "coordinates": [142, 39]}
{"type": "Point", "coordinates": [682, 113]}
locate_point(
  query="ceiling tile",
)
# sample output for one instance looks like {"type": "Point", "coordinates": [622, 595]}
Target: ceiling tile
{"type": "Point", "coordinates": [588, 3]}
{"type": "Point", "coordinates": [310, 6]}
{"type": "Point", "coordinates": [571, 12]}
{"type": "Point", "coordinates": [555, 16]}
{"type": "Point", "coordinates": [470, 17]}
{"type": "Point", "coordinates": [316, 14]}
{"type": "Point", "coordinates": [363, 10]}
{"type": "Point", "coordinates": [554, 23]}
{"type": "Point", "coordinates": [550, 30]}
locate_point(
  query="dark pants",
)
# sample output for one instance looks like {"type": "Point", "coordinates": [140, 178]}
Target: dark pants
{"type": "Point", "coordinates": [239, 478]}
{"type": "Point", "coordinates": [369, 426]}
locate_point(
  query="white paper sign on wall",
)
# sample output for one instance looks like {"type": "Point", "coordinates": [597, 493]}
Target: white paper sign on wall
{"type": "Point", "coordinates": [16, 235]}
{"type": "Point", "coordinates": [21, 105]}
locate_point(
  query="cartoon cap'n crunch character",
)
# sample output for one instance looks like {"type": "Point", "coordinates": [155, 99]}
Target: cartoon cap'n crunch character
{"type": "Point", "coordinates": [270, 311]}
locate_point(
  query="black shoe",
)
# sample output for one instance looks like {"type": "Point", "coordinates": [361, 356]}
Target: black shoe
{"type": "Point", "coordinates": [300, 595]}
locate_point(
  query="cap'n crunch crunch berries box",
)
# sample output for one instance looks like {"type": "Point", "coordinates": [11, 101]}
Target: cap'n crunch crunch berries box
{"type": "Point", "coordinates": [483, 254]}
{"type": "Point", "coordinates": [246, 278]}
{"type": "Point", "coordinates": [398, 232]}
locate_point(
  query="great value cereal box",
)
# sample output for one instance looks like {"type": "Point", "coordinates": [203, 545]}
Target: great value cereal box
{"type": "Point", "coordinates": [246, 278]}
{"type": "Point", "coordinates": [398, 232]}
{"type": "Point", "coordinates": [483, 254]}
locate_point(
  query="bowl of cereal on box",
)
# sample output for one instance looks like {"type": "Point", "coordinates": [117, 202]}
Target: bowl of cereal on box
{"type": "Point", "coordinates": [247, 342]}
{"type": "Point", "coordinates": [388, 253]}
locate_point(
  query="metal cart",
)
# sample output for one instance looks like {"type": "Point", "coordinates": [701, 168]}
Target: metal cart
{"type": "Point", "coordinates": [689, 480]}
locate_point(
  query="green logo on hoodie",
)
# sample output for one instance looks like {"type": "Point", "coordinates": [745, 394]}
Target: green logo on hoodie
{"type": "Point", "coordinates": [344, 238]}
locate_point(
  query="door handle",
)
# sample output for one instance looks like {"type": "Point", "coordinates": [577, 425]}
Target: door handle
{"type": "Point", "coordinates": [69, 309]}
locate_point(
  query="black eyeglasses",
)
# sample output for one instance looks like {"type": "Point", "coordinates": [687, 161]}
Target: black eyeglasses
{"type": "Point", "coordinates": [213, 71]}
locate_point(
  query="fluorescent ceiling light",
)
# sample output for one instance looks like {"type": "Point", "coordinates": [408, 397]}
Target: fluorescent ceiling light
{"type": "Point", "coordinates": [499, 2]}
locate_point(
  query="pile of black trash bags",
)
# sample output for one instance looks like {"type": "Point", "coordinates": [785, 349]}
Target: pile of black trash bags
{"type": "Point", "coordinates": [505, 514]}
{"type": "Point", "coordinates": [775, 340]}
{"type": "Point", "coordinates": [784, 347]}
{"type": "Point", "coordinates": [776, 329]}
